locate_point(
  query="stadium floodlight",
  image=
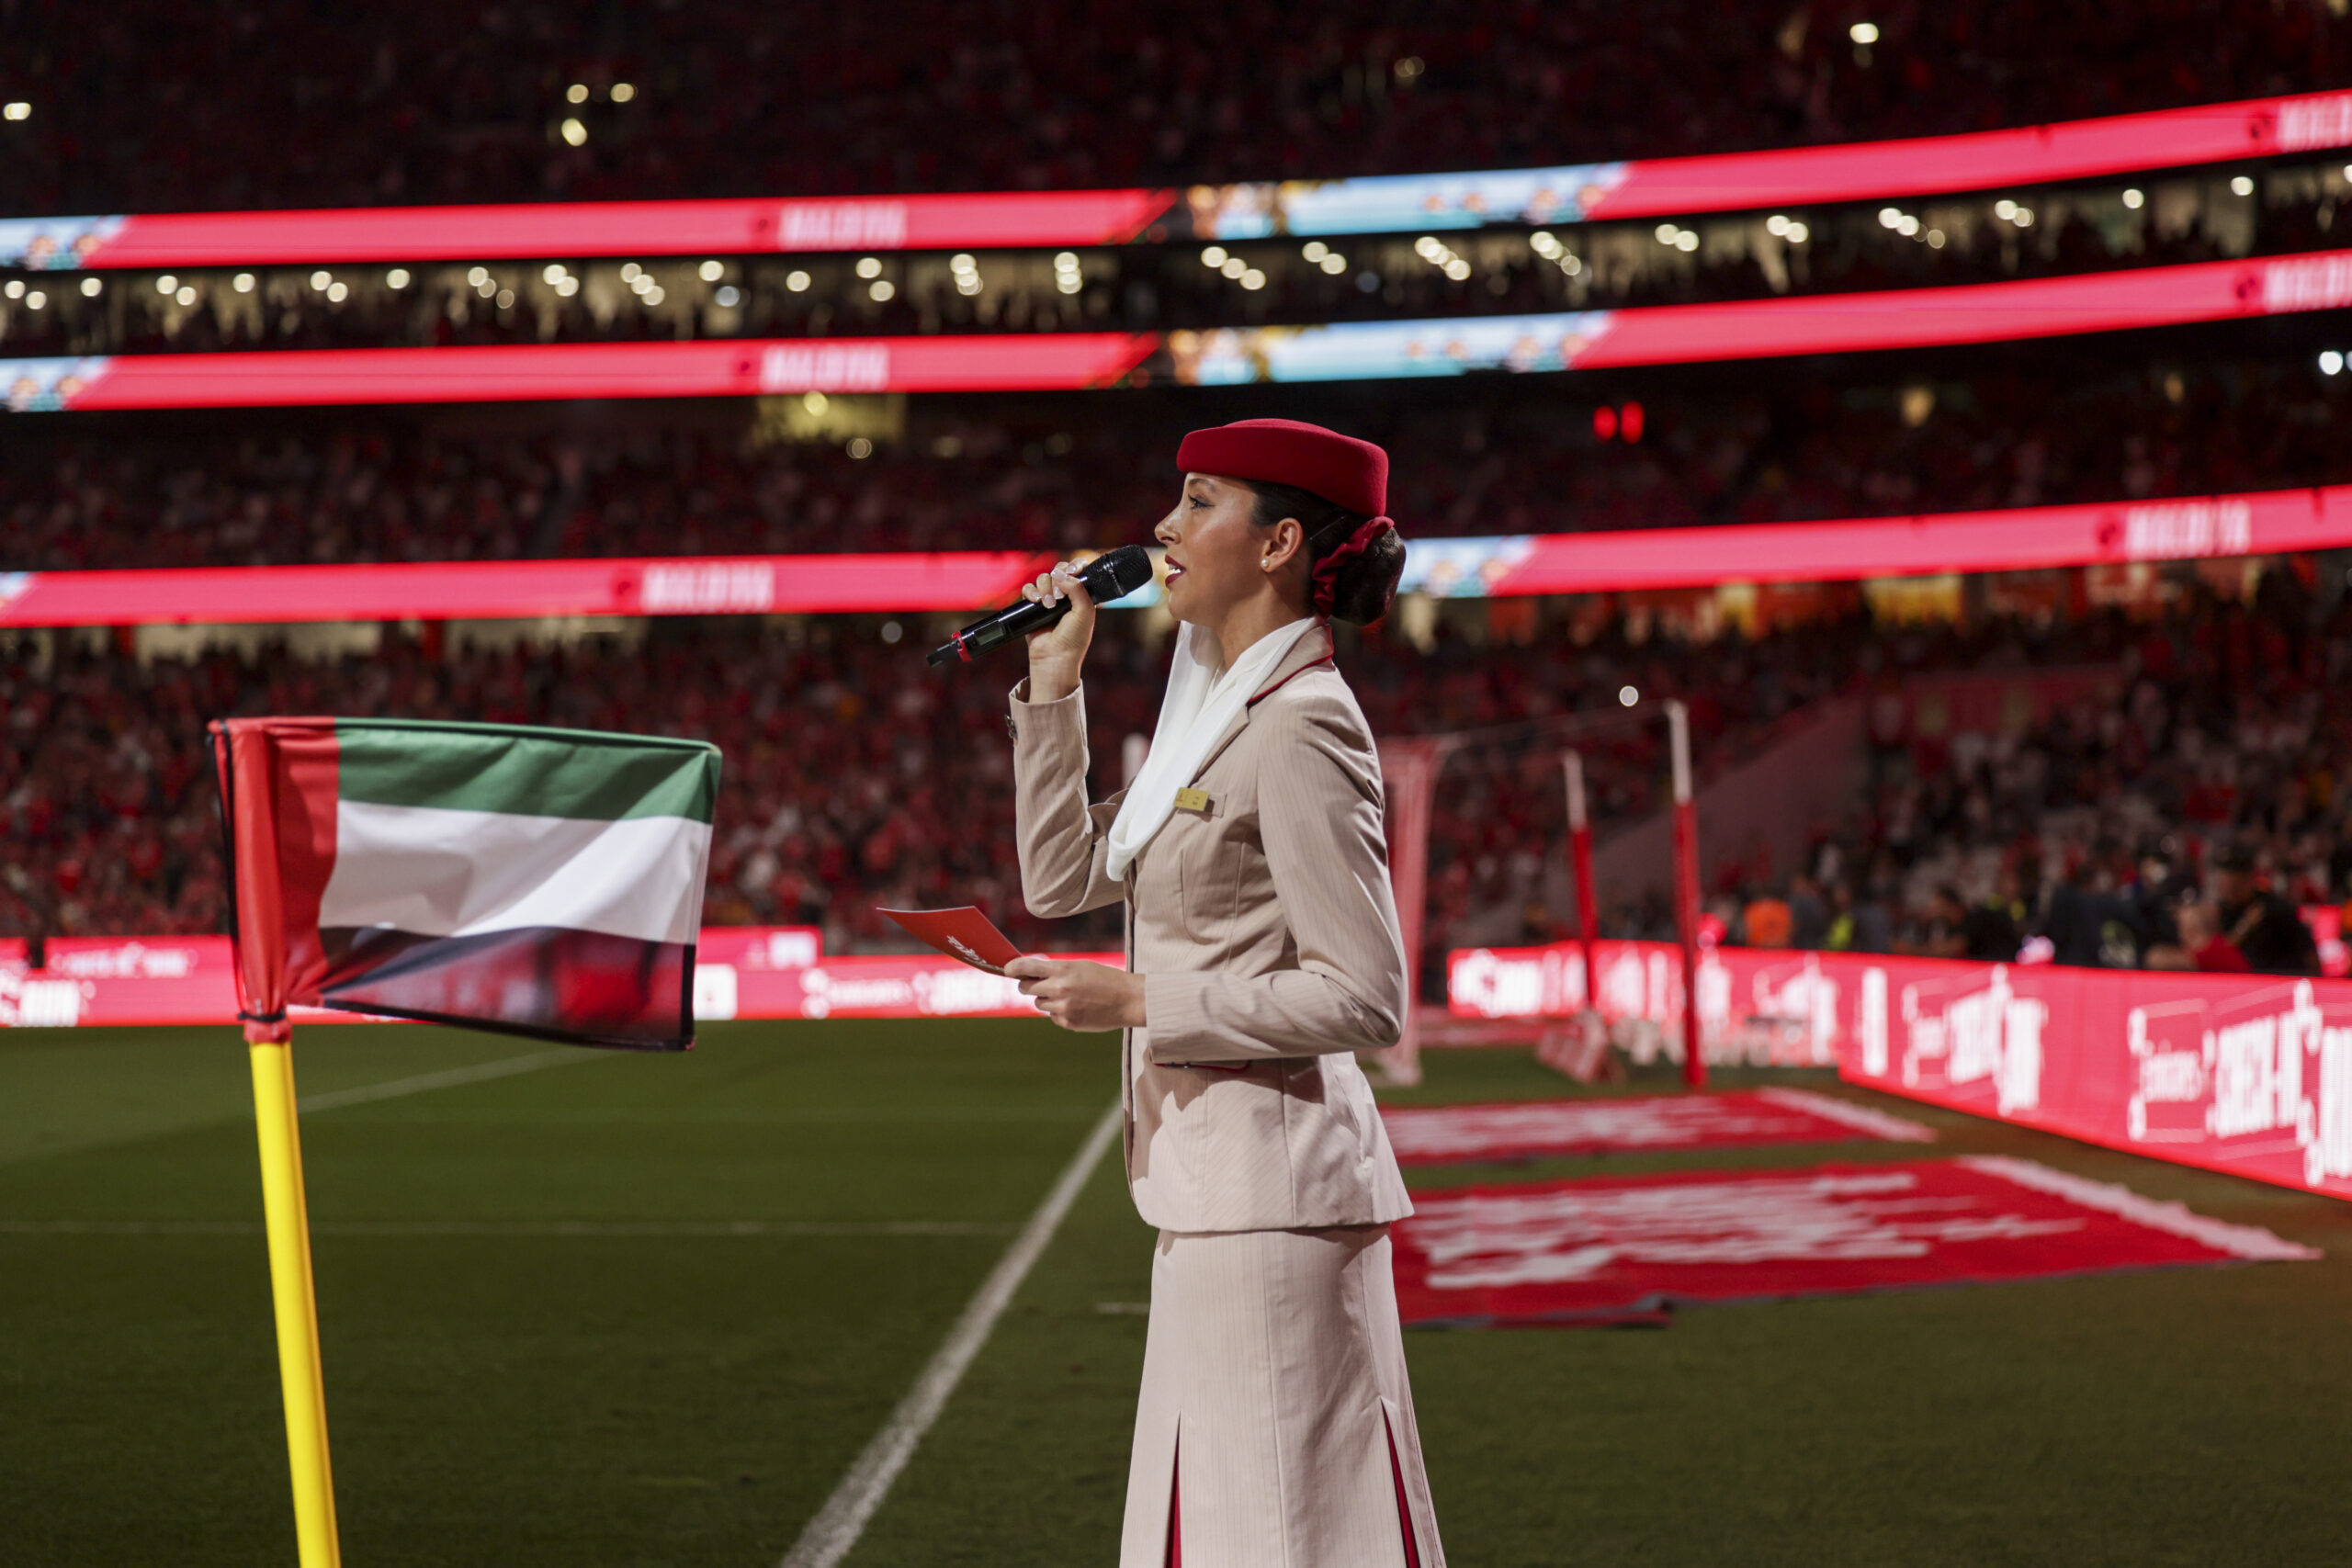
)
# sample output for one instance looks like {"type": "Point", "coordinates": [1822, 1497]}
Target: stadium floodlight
{"type": "Point", "coordinates": [712, 271]}
{"type": "Point", "coordinates": [506, 300]}
{"type": "Point", "coordinates": [1936, 239]}
{"type": "Point", "coordinates": [90, 286]}
{"type": "Point", "coordinates": [1668, 232]}
{"type": "Point", "coordinates": [2004, 209]}
{"type": "Point", "coordinates": [652, 295]}
{"type": "Point", "coordinates": [880, 290]}
{"type": "Point", "coordinates": [727, 296]}
{"type": "Point", "coordinates": [244, 282]}
{"type": "Point", "coordinates": [622, 92]}
{"type": "Point", "coordinates": [320, 279]}
{"type": "Point", "coordinates": [2330, 362]}
{"type": "Point", "coordinates": [396, 278]}
{"type": "Point", "coordinates": [1776, 225]}
{"type": "Point", "coordinates": [184, 296]}
{"type": "Point", "coordinates": [1798, 234]}
{"type": "Point", "coordinates": [1863, 33]}
{"type": "Point", "coordinates": [1890, 217]}
{"type": "Point", "coordinates": [2135, 199]}
{"type": "Point", "coordinates": [1213, 257]}
{"type": "Point", "coordinates": [166, 284]}
{"type": "Point", "coordinates": [869, 267]}
{"type": "Point", "coordinates": [1234, 267]}
{"type": "Point", "coordinates": [19, 110]}
{"type": "Point", "coordinates": [1253, 279]}
{"type": "Point", "coordinates": [797, 281]}
{"type": "Point", "coordinates": [36, 299]}
{"type": "Point", "coordinates": [1333, 263]}
{"type": "Point", "coordinates": [630, 273]}
{"type": "Point", "coordinates": [1686, 241]}
{"type": "Point", "coordinates": [478, 276]}
{"type": "Point", "coordinates": [2241, 185]}
{"type": "Point", "coordinates": [574, 132]}
{"type": "Point", "coordinates": [576, 94]}
{"type": "Point", "coordinates": [1627, 696]}
{"type": "Point", "coordinates": [551, 273]}
{"type": "Point", "coordinates": [2024, 220]}
{"type": "Point", "coordinates": [1314, 250]}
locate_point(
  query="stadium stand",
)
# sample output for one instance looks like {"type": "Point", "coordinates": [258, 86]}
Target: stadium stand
{"type": "Point", "coordinates": [1514, 457]}
{"type": "Point", "coordinates": [850, 784]}
{"type": "Point", "coordinates": [276, 104]}
{"type": "Point", "coordinates": [2288, 206]}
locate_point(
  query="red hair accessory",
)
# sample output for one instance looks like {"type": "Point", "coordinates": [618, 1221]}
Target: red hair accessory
{"type": "Point", "coordinates": [1326, 577]}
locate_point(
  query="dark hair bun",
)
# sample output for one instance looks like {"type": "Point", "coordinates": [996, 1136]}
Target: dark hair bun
{"type": "Point", "coordinates": [1366, 585]}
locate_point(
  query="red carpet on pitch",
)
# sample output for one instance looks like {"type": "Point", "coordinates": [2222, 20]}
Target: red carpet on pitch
{"type": "Point", "coordinates": [1621, 1249]}
{"type": "Point", "coordinates": [1457, 1134]}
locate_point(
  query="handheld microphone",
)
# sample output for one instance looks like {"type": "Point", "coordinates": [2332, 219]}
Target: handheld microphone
{"type": "Point", "coordinates": [1112, 575]}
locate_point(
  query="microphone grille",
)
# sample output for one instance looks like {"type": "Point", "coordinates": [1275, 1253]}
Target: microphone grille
{"type": "Point", "coordinates": [1128, 568]}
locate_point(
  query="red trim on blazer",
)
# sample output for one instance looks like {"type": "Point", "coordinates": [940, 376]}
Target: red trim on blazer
{"type": "Point", "coordinates": [1269, 691]}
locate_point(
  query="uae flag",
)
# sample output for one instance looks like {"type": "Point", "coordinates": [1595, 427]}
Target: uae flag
{"type": "Point", "coordinates": [540, 882]}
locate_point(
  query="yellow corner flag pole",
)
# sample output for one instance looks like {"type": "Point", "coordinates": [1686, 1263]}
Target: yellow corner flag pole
{"type": "Point", "coordinates": [298, 1312]}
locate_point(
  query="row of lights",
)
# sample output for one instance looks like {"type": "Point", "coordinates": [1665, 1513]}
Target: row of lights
{"type": "Point", "coordinates": [1067, 277]}
{"type": "Point", "coordinates": [1432, 250]}
{"type": "Point", "coordinates": [877, 287]}
{"type": "Point", "coordinates": [1790, 228]}
{"type": "Point", "coordinates": [1681, 239]}
{"type": "Point", "coordinates": [1232, 266]}
{"type": "Point", "coordinates": [1910, 228]}
{"type": "Point", "coordinates": [1324, 256]}
{"type": "Point", "coordinates": [962, 268]}
{"type": "Point", "coordinates": [2008, 211]}
{"type": "Point", "coordinates": [1547, 245]}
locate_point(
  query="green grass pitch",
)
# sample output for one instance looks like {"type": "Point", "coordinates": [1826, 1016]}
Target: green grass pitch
{"type": "Point", "coordinates": [638, 1311]}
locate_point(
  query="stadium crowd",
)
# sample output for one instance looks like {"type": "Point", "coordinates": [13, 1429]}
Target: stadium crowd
{"type": "Point", "coordinates": [2129, 832]}
{"type": "Point", "coordinates": [1517, 457]}
{"type": "Point", "coordinates": [272, 103]}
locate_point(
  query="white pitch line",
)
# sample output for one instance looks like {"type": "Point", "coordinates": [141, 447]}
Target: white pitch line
{"type": "Point", "coordinates": [505, 1066]}
{"type": "Point", "coordinates": [829, 1536]}
{"type": "Point", "coordinates": [589, 1228]}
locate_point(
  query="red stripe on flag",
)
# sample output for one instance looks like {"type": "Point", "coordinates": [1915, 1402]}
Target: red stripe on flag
{"type": "Point", "coordinates": [279, 784]}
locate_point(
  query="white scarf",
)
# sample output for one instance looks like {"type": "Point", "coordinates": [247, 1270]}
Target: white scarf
{"type": "Point", "coordinates": [1202, 702]}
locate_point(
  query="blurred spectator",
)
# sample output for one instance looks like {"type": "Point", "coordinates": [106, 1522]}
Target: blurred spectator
{"type": "Point", "coordinates": [2262, 926]}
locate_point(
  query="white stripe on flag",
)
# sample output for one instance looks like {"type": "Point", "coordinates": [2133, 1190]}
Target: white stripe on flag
{"type": "Point", "coordinates": [440, 872]}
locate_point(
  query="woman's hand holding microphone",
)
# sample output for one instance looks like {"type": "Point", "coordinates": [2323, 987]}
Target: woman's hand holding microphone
{"type": "Point", "coordinates": [1056, 652]}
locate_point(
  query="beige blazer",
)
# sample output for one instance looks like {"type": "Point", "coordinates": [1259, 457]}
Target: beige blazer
{"type": "Point", "coordinates": [1266, 932]}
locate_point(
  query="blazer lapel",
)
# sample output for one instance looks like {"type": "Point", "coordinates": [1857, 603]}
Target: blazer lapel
{"type": "Point", "coordinates": [1313, 648]}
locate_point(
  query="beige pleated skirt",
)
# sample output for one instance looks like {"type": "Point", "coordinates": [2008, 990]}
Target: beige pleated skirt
{"type": "Point", "coordinates": [1275, 1413]}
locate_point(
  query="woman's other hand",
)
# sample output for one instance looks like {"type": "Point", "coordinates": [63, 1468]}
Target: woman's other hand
{"type": "Point", "coordinates": [1080, 995]}
{"type": "Point", "coordinates": [1056, 652]}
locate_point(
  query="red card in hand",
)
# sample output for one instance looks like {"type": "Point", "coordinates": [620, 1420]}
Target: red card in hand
{"type": "Point", "coordinates": [963, 934]}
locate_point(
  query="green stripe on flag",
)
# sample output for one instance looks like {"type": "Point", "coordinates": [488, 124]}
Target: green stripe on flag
{"type": "Point", "coordinates": [541, 773]}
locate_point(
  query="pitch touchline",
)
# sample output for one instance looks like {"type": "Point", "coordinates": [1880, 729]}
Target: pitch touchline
{"type": "Point", "coordinates": [518, 1228]}
{"type": "Point", "coordinates": [829, 1536]}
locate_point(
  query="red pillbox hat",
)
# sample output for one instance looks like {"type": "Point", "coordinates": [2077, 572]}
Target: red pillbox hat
{"type": "Point", "coordinates": [1341, 468]}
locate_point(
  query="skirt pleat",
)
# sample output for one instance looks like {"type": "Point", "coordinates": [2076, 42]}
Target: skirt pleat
{"type": "Point", "coordinates": [1275, 1404]}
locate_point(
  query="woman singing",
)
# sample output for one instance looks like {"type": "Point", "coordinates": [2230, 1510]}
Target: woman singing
{"type": "Point", "coordinates": [1275, 1425]}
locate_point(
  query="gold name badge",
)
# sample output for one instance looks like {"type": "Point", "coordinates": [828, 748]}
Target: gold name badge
{"type": "Point", "coordinates": [1193, 800]}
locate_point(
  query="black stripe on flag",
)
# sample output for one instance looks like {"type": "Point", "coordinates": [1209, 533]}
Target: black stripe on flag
{"type": "Point", "coordinates": [548, 982]}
